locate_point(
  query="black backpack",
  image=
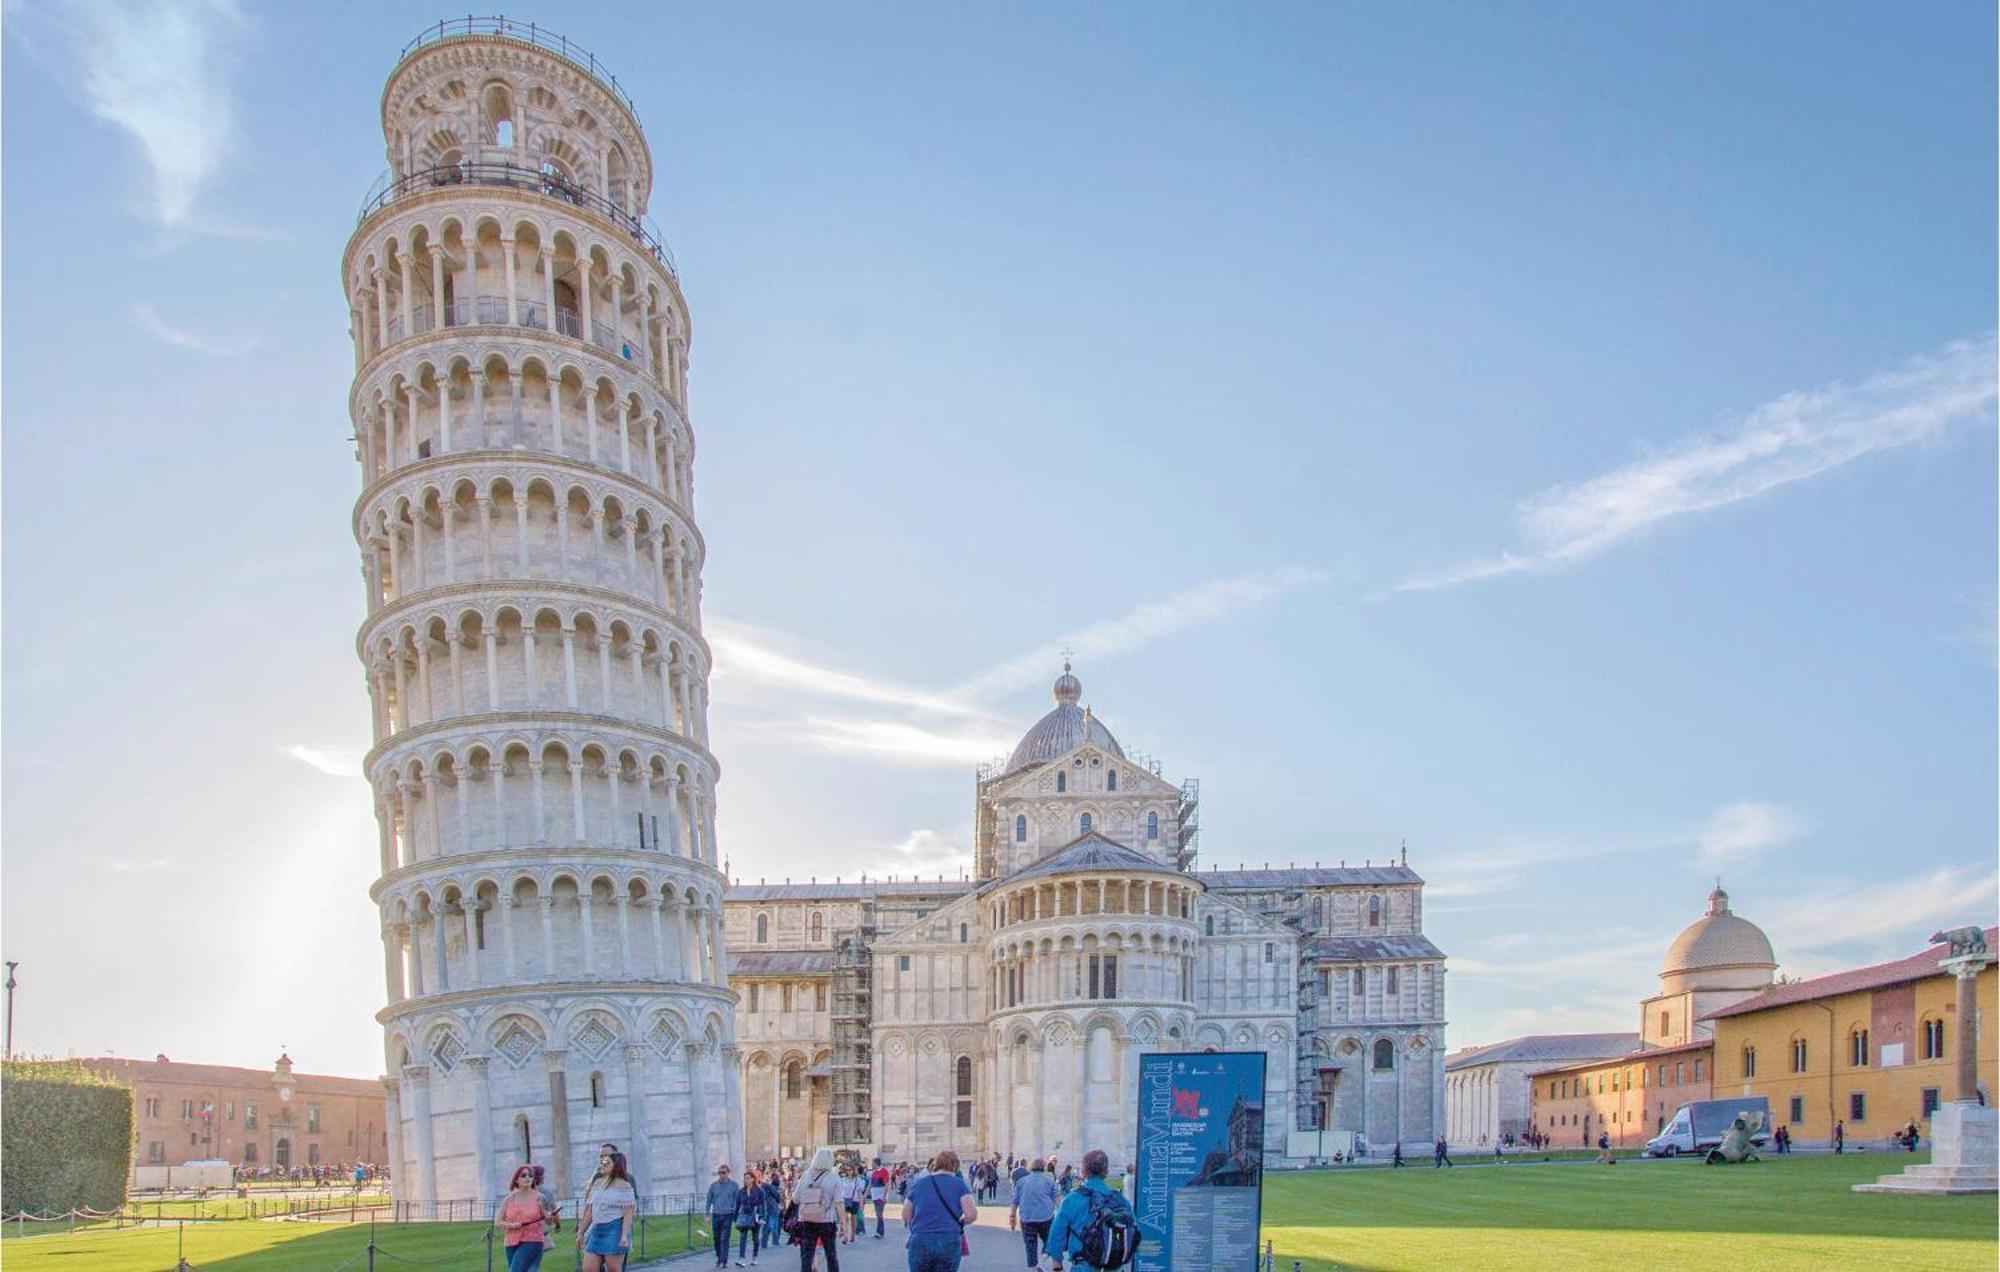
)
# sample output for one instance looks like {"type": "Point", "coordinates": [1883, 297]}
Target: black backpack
{"type": "Point", "coordinates": [1109, 1237]}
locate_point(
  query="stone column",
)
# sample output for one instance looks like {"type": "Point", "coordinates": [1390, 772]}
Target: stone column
{"type": "Point", "coordinates": [1967, 971]}
{"type": "Point", "coordinates": [392, 1138]}
{"type": "Point", "coordinates": [558, 1180]}
{"type": "Point", "coordinates": [417, 1089]}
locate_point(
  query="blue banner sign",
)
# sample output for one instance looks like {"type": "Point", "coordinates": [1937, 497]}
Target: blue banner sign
{"type": "Point", "coordinates": [1200, 1189]}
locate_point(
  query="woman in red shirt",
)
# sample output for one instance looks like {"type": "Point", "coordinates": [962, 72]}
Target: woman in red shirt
{"type": "Point", "coordinates": [522, 1216]}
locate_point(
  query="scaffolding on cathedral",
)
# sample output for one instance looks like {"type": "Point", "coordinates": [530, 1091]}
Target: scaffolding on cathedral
{"type": "Point", "coordinates": [849, 1113]}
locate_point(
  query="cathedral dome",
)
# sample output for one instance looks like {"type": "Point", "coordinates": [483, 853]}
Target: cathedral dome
{"type": "Point", "coordinates": [1719, 940]}
{"type": "Point", "coordinates": [1063, 729]}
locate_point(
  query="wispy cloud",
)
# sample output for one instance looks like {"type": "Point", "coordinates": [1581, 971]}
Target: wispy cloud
{"type": "Point", "coordinates": [159, 70]}
{"type": "Point", "coordinates": [1139, 626]}
{"type": "Point", "coordinates": [1891, 916]}
{"type": "Point", "coordinates": [925, 852]}
{"type": "Point", "coordinates": [752, 669]}
{"type": "Point", "coordinates": [149, 321]}
{"type": "Point", "coordinates": [1737, 832]}
{"type": "Point", "coordinates": [334, 761]}
{"type": "Point", "coordinates": [1796, 437]}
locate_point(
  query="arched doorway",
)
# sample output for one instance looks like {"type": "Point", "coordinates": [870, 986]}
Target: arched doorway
{"type": "Point", "coordinates": [281, 1156]}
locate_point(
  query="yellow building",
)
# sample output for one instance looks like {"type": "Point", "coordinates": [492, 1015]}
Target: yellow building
{"type": "Point", "coordinates": [1871, 1049]}
{"type": "Point", "coordinates": [1628, 1099]}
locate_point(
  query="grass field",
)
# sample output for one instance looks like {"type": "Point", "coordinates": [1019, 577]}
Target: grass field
{"type": "Point", "coordinates": [1792, 1213]}
{"type": "Point", "coordinates": [272, 1246]}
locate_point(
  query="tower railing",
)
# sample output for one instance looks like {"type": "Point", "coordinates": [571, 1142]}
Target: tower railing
{"type": "Point", "coordinates": [505, 28]}
{"type": "Point", "coordinates": [388, 188]}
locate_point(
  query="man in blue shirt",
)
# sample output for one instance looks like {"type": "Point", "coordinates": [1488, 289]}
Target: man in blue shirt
{"type": "Point", "coordinates": [1065, 1234]}
{"type": "Point", "coordinates": [1034, 1207]}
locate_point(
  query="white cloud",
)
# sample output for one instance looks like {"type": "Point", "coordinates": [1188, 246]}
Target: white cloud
{"type": "Point", "coordinates": [924, 853]}
{"type": "Point", "coordinates": [743, 651]}
{"type": "Point", "coordinates": [896, 741]}
{"type": "Point", "coordinates": [334, 761]}
{"type": "Point", "coordinates": [1139, 626]}
{"type": "Point", "coordinates": [159, 70]}
{"type": "Point", "coordinates": [150, 322]}
{"type": "Point", "coordinates": [1745, 829]}
{"type": "Point", "coordinates": [1892, 916]}
{"type": "Point", "coordinates": [1798, 436]}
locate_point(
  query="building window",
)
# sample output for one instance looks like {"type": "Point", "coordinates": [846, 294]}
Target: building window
{"type": "Point", "coordinates": [152, 1106]}
{"type": "Point", "coordinates": [1111, 780]}
{"type": "Point", "coordinates": [596, 1090]}
{"type": "Point", "coordinates": [249, 1115]}
{"type": "Point", "coordinates": [902, 962]}
{"type": "Point", "coordinates": [1857, 1048]}
{"type": "Point", "coordinates": [1083, 823]}
{"type": "Point", "coordinates": [1697, 1068]}
{"type": "Point", "coordinates": [753, 996]}
{"type": "Point", "coordinates": [1798, 1110]}
{"type": "Point", "coordinates": [312, 1119]}
{"type": "Point", "coordinates": [1319, 911]}
{"type": "Point", "coordinates": [156, 1151]}
{"type": "Point", "coordinates": [1857, 1106]}
{"type": "Point", "coordinates": [1360, 982]}
{"type": "Point", "coordinates": [1799, 1055]}
{"type": "Point", "coordinates": [1932, 1045]}
{"type": "Point", "coordinates": [1395, 981]}
{"type": "Point", "coordinates": [964, 1076]}
{"type": "Point", "coordinates": [1208, 925]}
{"type": "Point", "coordinates": [763, 929]}
{"type": "Point", "coordinates": [819, 998]}
{"type": "Point", "coordinates": [524, 1138]}
{"type": "Point", "coordinates": [1374, 911]}
{"type": "Point", "coordinates": [1749, 1062]}
{"type": "Point", "coordinates": [1152, 825]}
{"type": "Point", "coordinates": [1385, 1055]}
{"type": "Point", "coordinates": [249, 1154]}
{"type": "Point", "coordinates": [1663, 1024]}
{"type": "Point", "coordinates": [964, 933]}
{"type": "Point", "coordinates": [312, 1154]}
{"type": "Point", "coordinates": [1062, 783]}
{"type": "Point", "coordinates": [187, 1110]}
{"type": "Point", "coordinates": [794, 1079]}
{"type": "Point", "coordinates": [1680, 1072]}
{"type": "Point", "coordinates": [1930, 1101]}
{"type": "Point", "coordinates": [1020, 830]}
{"type": "Point", "coordinates": [784, 998]}
{"type": "Point", "coordinates": [231, 1114]}
{"type": "Point", "coordinates": [1270, 951]}
{"type": "Point", "coordinates": [818, 926]}
{"type": "Point", "coordinates": [1663, 1075]}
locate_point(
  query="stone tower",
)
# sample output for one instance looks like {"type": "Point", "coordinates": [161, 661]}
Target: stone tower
{"type": "Point", "coordinates": [550, 897]}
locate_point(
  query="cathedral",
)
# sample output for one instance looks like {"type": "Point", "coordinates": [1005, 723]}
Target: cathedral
{"type": "Point", "coordinates": [1007, 1013]}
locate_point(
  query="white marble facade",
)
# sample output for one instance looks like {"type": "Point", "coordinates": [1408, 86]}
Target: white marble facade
{"type": "Point", "coordinates": [549, 891]}
{"type": "Point", "coordinates": [1008, 1013]}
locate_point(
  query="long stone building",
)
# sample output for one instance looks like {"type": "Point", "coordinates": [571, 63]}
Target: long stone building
{"type": "Point", "coordinates": [550, 903]}
{"type": "Point", "coordinates": [1007, 1012]}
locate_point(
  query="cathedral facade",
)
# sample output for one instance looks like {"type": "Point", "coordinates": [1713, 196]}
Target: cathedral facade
{"type": "Point", "coordinates": [1007, 1013]}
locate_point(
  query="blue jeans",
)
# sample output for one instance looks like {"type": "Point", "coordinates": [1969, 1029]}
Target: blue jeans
{"type": "Point", "coordinates": [525, 1257]}
{"type": "Point", "coordinates": [750, 1238]}
{"type": "Point", "coordinates": [721, 1225]}
{"type": "Point", "coordinates": [935, 1251]}
{"type": "Point", "coordinates": [1035, 1235]}
{"type": "Point", "coordinates": [771, 1229]}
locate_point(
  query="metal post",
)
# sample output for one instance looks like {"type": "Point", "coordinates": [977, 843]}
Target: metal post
{"type": "Point", "coordinates": [1267, 1257]}
{"type": "Point", "coordinates": [11, 982]}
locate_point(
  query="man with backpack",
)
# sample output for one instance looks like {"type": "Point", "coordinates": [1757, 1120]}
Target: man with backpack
{"type": "Point", "coordinates": [1094, 1227]}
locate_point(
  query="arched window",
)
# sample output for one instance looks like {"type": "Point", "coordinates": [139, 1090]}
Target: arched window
{"type": "Point", "coordinates": [794, 1079]}
{"type": "Point", "coordinates": [763, 929]}
{"type": "Point", "coordinates": [1062, 782]}
{"type": "Point", "coordinates": [1857, 1048]}
{"type": "Point", "coordinates": [1798, 1055]}
{"type": "Point", "coordinates": [1208, 925]}
{"type": "Point", "coordinates": [497, 104]}
{"type": "Point", "coordinates": [1385, 1055]}
{"type": "Point", "coordinates": [818, 926]}
{"type": "Point", "coordinates": [1749, 1062]}
{"type": "Point", "coordinates": [964, 933]}
{"type": "Point", "coordinates": [1152, 825]}
{"type": "Point", "coordinates": [1083, 823]}
{"type": "Point", "coordinates": [1111, 779]}
{"type": "Point", "coordinates": [1374, 911]}
{"type": "Point", "coordinates": [965, 1075]}
{"type": "Point", "coordinates": [1020, 830]}
{"type": "Point", "coordinates": [523, 1140]}
{"type": "Point", "coordinates": [596, 1090]}
{"type": "Point", "coordinates": [1931, 1046]}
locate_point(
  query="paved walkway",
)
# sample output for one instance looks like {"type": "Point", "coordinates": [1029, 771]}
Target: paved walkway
{"type": "Point", "coordinates": [994, 1249]}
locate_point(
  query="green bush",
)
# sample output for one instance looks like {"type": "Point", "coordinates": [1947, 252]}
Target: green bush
{"type": "Point", "coordinates": [66, 1136]}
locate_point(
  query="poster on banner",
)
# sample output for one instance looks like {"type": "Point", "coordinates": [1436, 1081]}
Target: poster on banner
{"type": "Point", "coordinates": [1199, 1196]}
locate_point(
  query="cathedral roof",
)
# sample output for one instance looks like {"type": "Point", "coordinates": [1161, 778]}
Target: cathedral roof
{"type": "Point", "coordinates": [1545, 1048]}
{"type": "Point", "coordinates": [1090, 851]}
{"type": "Point", "coordinates": [850, 891]}
{"type": "Point", "coordinates": [1063, 729]}
{"type": "Point", "coordinates": [780, 962]}
{"type": "Point", "coordinates": [1361, 949]}
{"type": "Point", "coordinates": [1304, 877]}
{"type": "Point", "coordinates": [1719, 939]}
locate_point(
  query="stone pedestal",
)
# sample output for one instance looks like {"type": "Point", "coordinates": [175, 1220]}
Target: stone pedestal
{"type": "Point", "coordinates": [1965, 1155]}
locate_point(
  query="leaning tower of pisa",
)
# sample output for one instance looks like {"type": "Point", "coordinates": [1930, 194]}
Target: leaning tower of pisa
{"type": "Point", "coordinates": [550, 898]}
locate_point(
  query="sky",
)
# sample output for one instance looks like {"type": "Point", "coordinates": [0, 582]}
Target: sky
{"type": "Point", "coordinates": [1556, 438]}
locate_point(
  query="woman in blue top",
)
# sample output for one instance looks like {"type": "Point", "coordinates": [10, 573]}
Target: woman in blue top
{"type": "Point", "coordinates": [936, 1213]}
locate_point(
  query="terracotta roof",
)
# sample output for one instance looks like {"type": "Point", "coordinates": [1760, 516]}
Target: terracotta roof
{"type": "Point", "coordinates": [222, 1075]}
{"type": "Point", "coordinates": [1543, 1048]}
{"type": "Point", "coordinates": [1915, 967]}
{"type": "Point", "coordinates": [1643, 1055]}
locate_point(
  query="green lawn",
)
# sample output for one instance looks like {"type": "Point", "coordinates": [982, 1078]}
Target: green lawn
{"type": "Point", "coordinates": [269, 1246]}
{"type": "Point", "coordinates": [1792, 1213]}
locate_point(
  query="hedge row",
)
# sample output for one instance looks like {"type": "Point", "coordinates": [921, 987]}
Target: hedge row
{"type": "Point", "coordinates": [66, 1136]}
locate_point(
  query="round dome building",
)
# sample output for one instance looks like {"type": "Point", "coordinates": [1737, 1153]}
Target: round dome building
{"type": "Point", "coordinates": [1719, 959]}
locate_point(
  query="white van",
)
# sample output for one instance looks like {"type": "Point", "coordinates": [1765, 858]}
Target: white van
{"type": "Point", "coordinates": [1697, 1126]}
